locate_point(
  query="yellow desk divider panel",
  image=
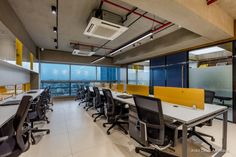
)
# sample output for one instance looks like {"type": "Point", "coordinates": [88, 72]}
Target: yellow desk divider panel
{"type": "Point", "coordinates": [3, 89]}
{"type": "Point", "coordinates": [26, 87]}
{"type": "Point", "coordinates": [181, 96]}
{"type": "Point", "coordinates": [19, 51]}
{"type": "Point", "coordinates": [117, 87]}
{"type": "Point", "coordinates": [137, 89]}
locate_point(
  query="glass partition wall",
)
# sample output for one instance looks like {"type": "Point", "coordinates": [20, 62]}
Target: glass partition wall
{"type": "Point", "coordinates": [64, 79]}
{"type": "Point", "coordinates": [211, 69]}
{"type": "Point", "coordinates": [139, 73]}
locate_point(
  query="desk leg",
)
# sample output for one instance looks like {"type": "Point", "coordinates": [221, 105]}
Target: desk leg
{"type": "Point", "coordinates": [184, 141]}
{"type": "Point", "coordinates": [224, 140]}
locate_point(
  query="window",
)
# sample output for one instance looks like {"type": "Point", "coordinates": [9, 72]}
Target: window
{"type": "Point", "coordinates": [80, 72]}
{"type": "Point", "coordinates": [55, 71]}
{"type": "Point", "coordinates": [138, 73]}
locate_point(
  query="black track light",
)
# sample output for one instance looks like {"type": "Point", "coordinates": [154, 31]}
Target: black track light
{"type": "Point", "coordinates": [55, 40]}
{"type": "Point", "coordinates": [151, 38]}
{"type": "Point", "coordinates": [54, 29]}
{"type": "Point", "coordinates": [54, 10]}
{"type": "Point", "coordinates": [56, 47]}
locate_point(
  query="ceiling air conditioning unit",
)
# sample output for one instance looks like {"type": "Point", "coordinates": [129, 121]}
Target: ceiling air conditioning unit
{"type": "Point", "coordinates": [82, 53]}
{"type": "Point", "coordinates": [105, 25]}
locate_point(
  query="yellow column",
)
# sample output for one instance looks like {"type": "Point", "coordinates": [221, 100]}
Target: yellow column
{"type": "Point", "coordinates": [19, 51]}
{"type": "Point", "coordinates": [31, 61]}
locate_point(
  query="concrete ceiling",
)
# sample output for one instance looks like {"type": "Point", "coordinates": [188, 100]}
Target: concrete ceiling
{"type": "Point", "coordinates": [73, 15]}
{"type": "Point", "coordinates": [200, 24]}
{"type": "Point", "coordinates": [229, 6]}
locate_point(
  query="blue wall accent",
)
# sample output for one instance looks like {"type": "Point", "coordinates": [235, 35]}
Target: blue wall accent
{"type": "Point", "coordinates": [174, 65]}
{"type": "Point", "coordinates": [108, 74]}
{"type": "Point", "coordinates": [167, 70]}
{"type": "Point", "coordinates": [157, 71]}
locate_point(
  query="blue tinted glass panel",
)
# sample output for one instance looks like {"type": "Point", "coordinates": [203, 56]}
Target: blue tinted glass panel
{"type": "Point", "coordinates": [54, 71]}
{"type": "Point", "coordinates": [79, 72]}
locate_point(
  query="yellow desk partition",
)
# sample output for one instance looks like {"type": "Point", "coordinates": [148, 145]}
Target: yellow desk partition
{"type": "Point", "coordinates": [118, 87]}
{"type": "Point", "coordinates": [182, 96]}
{"type": "Point", "coordinates": [137, 89]}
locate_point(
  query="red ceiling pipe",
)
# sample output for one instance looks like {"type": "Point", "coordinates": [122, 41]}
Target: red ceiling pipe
{"type": "Point", "coordinates": [210, 1]}
{"type": "Point", "coordinates": [161, 27]}
{"type": "Point", "coordinates": [129, 10]}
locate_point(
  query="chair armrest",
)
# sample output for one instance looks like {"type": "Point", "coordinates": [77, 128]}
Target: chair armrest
{"type": "Point", "coordinates": [4, 138]}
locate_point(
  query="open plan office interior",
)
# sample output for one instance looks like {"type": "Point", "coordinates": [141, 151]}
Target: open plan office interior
{"type": "Point", "coordinates": [117, 78]}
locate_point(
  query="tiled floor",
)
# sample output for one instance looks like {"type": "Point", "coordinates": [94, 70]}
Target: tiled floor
{"type": "Point", "coordinates": [74, 134]}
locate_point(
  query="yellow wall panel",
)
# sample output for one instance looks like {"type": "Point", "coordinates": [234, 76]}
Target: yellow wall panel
{"type": "Point", "coordinates": [182, 96]}
{"type": "Point", "coordinates": [31, 61]}
{"type": "Point", "coordinates": [137, 89]}
{"type": "Point", "coordinates": [19, 51]}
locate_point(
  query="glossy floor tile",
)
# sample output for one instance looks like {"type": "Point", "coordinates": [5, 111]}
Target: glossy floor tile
{"type": "Point", "coordinates": [74, 134]}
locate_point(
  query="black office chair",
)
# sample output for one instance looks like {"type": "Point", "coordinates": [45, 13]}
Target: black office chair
{"type": "Point", "coordinates": [88, 99]}
{"type": "Point", "coordinates": [13, 146]}
{"type": "Point", "coordinates": [116, 115]}
{"type": "Point", "coordinates": [46, 96]}
{"type": "Point", "coordinates": [159, 135]}
{"type": "Point", "coordinates": [36, 114]}
{"type": "Point", "coordinates": [79, 89]}
{"type": "Point", "coordinates": [99, 104]}
{"type": "Point", "coordinates": [82, 95]}
{"type": "Point", "coordinates": [209, 97]}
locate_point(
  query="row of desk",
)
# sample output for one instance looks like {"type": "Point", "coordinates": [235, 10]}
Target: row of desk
{"type": "Point", "coordinates": [8, 112]}
{"type": "Point", "coordinates": [189, 118]}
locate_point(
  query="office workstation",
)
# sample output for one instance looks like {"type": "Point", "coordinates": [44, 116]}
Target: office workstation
{"type": "Point", "coordinates": [117, 78]}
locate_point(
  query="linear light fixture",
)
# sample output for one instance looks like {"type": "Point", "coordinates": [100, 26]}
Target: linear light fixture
{"type": "Point", "coordinates": [97, 60]}
{"type": "Point", "coordinates": [206, 50]}
{"type": "Point", "coordinates": [118, 50]}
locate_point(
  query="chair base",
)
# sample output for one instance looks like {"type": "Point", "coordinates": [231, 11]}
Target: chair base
{"type": "Point", "coordinates": [116, 123]}
{"type": "Point", "coordinates": [198, 135]}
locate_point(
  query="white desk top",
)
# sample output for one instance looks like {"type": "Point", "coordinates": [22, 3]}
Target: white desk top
{"type": "Point", "coordinates": [6, 112]}
{"type": "Point", "coordinates": [181, 113]}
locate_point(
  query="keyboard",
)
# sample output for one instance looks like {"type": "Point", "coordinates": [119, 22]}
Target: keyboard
{"type": "Point", "coordinates": [10, 103]}
{"type": "Point", "coordinates": [31, 92]}
{"type": "Point", "coordinates": [125, 96]}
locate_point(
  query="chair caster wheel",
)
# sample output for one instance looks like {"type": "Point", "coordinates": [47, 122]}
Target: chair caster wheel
{"type": "Point", "coordinates": [92, 115]}
{"type": "Point", "coordinates": [213, 139]}
{"type": "Point", "coordinates": [108, 133]}
{"type": "Point", "coordinates": [94, 120]}
{"type": "Point", "coordinates": [104, 125]}
{"type": "Point", "coordinates": [48, 132]}
{"type": "Point", "coordinates": [126, 133]}
{"type": "Point", "coordinates": [212, 149]}
{"type": "Point", "coordinates": [136, 150]}
{"type": "Point", "coordinates": [48, 122]}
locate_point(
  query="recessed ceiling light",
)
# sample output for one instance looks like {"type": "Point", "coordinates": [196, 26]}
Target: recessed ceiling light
{"type": "Point", "coordinates": [54, 9]}
{"type": "Point", "coordinates": [41, 49]}
{"type": "Point", "coordinates": [206, 50]}
{"type": "Point", "coordinates": [54, 29]}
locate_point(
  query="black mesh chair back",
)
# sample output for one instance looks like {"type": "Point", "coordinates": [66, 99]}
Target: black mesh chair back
{"type": "Point", "coordinates": [209, 96]}
{"type": "Point", "coordinates": [88, 93]}
{"type": "Point", "coordinates": [98, 98]}
{"type": "Point", "coordinates": [110, 103]}
{"type": "Point", "coordinates": [150, 112]}
{"type": "Point", "coordinates": [19, 121]}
